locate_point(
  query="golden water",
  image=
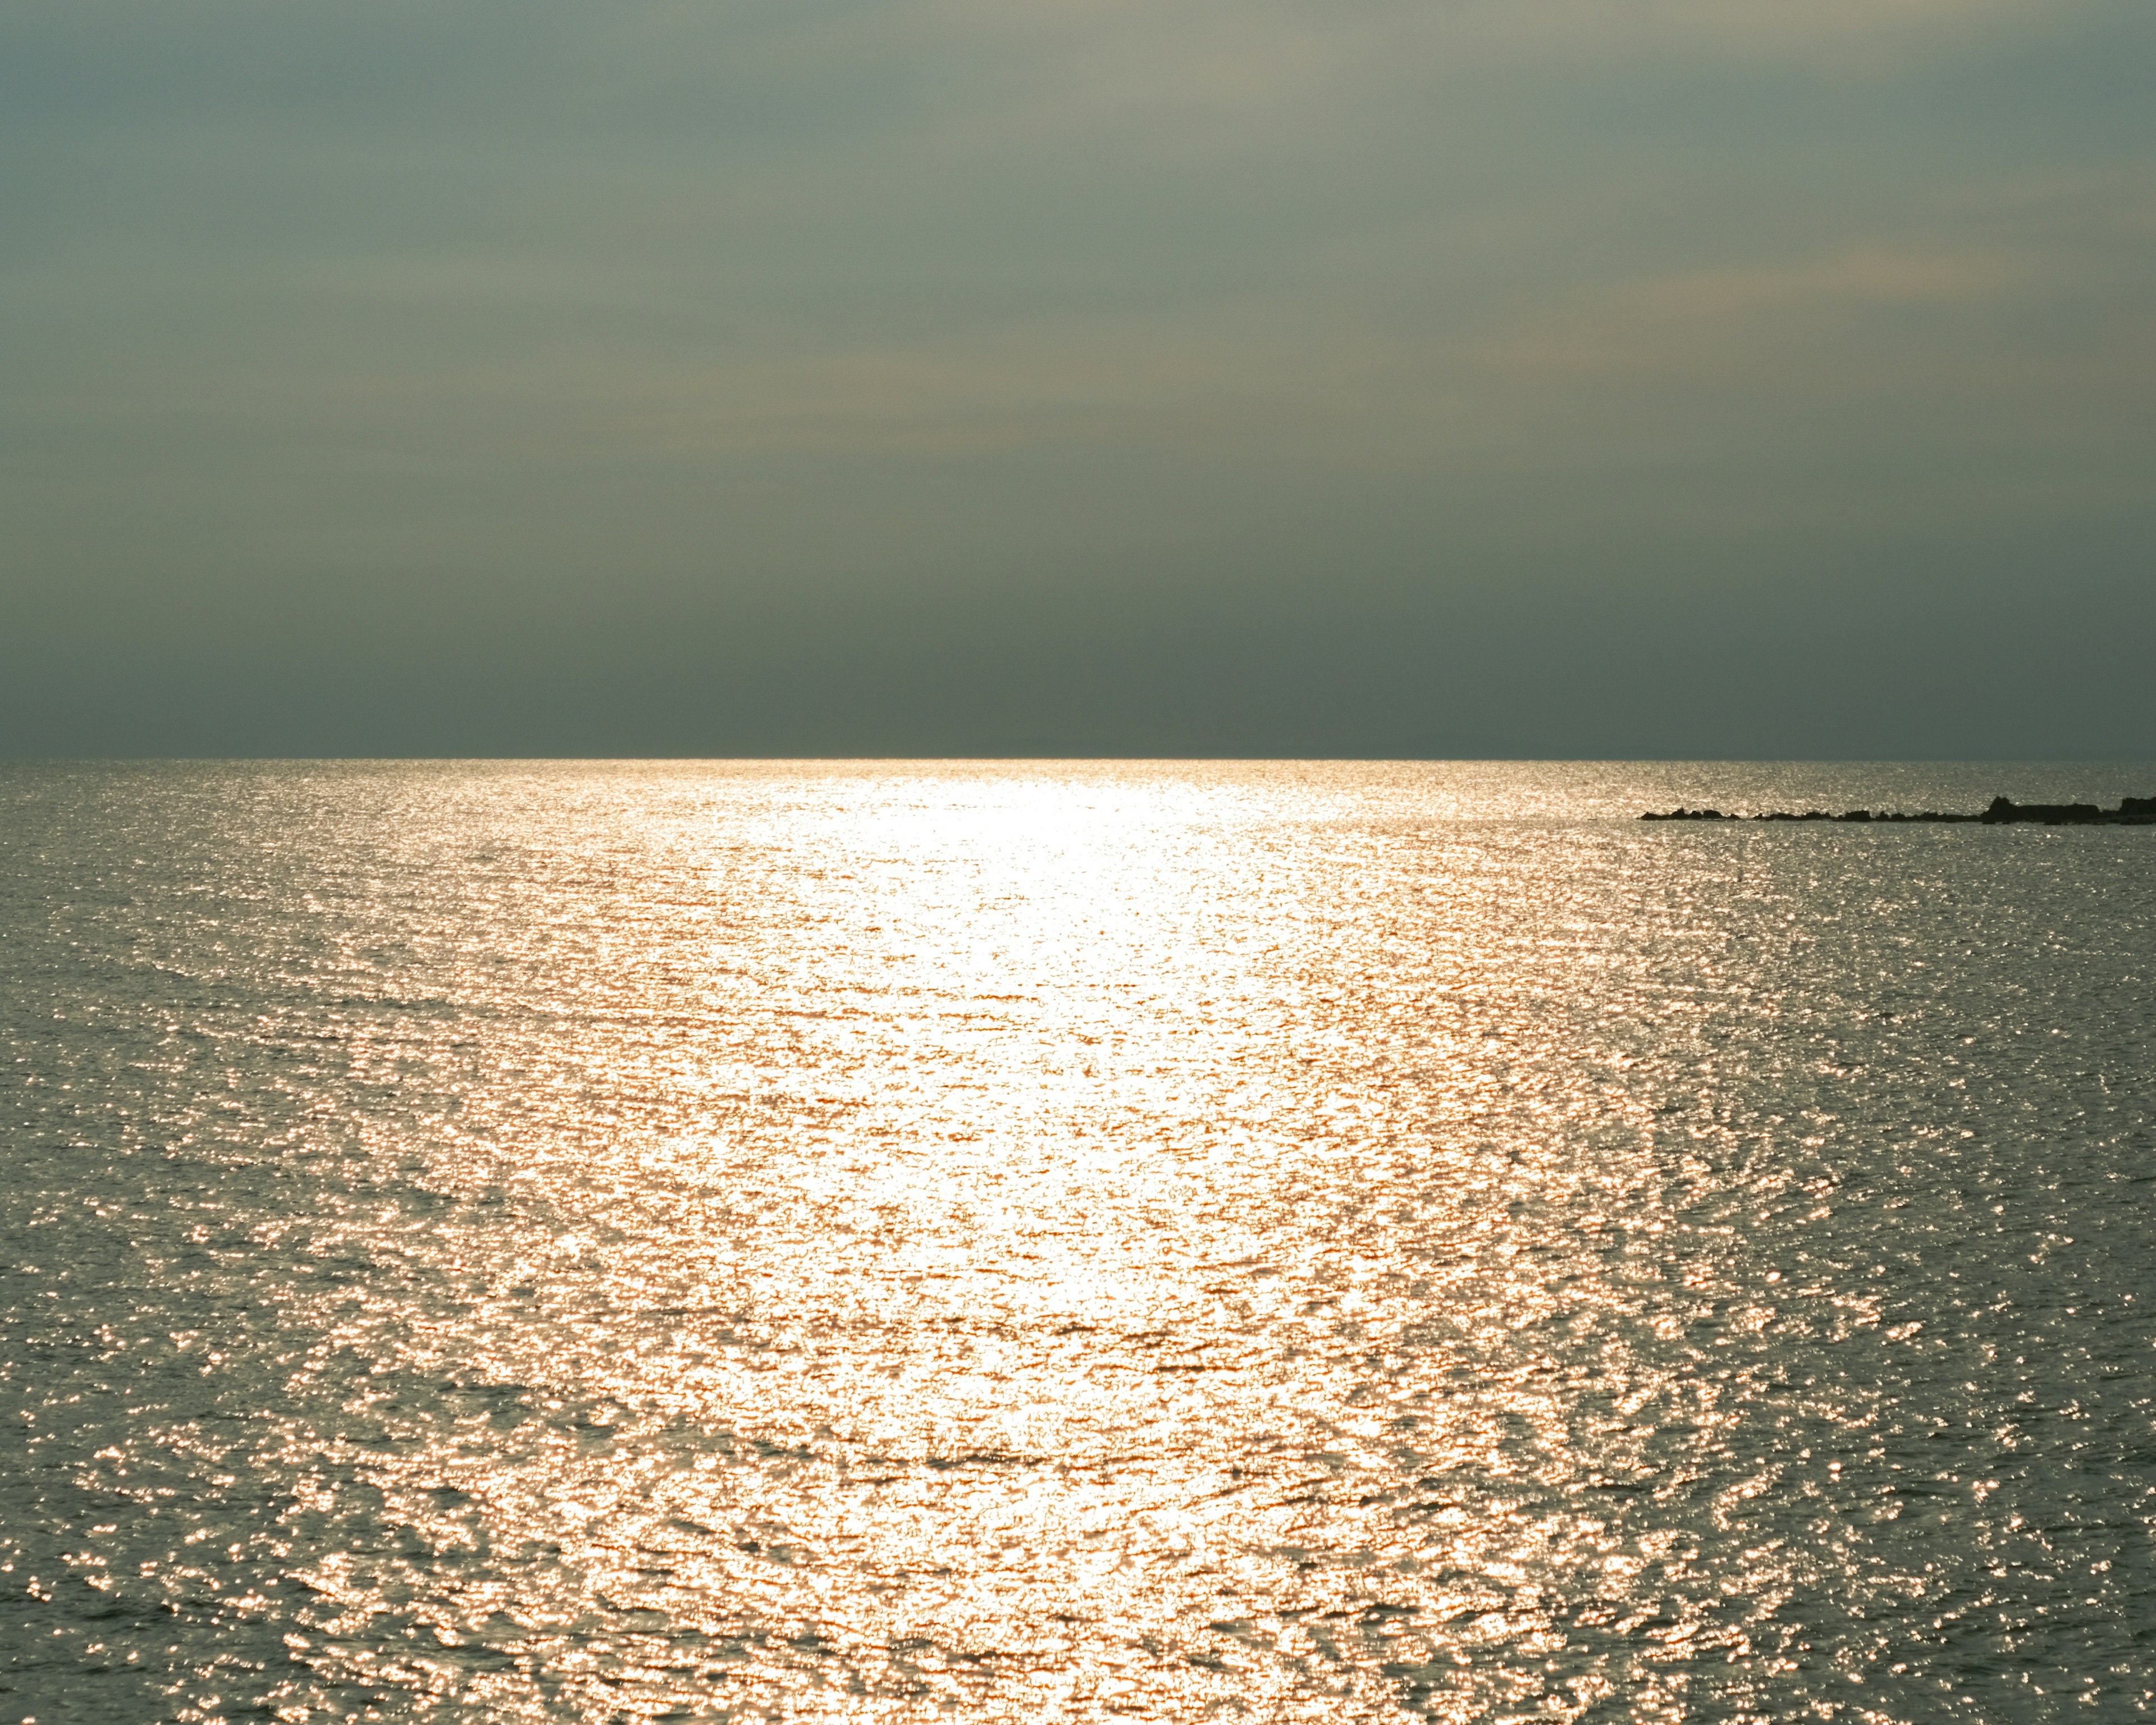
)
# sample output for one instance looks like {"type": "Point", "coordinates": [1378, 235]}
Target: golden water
{"type": "Point", "coordinates": [993, 1241]}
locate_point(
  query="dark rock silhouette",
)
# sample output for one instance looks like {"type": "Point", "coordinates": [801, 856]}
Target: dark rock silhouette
{"type": "Point", "coordinates": [2003, 808]}
{"type": "Point", "coordinates": [2131, 812]}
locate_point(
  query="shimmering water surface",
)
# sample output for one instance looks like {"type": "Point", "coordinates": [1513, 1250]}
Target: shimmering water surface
{"type": "Point", "coordinates": [1016, 1241]}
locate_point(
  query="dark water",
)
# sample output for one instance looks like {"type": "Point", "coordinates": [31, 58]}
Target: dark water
{"type": "Point", "coordinates": [1009, 1241]}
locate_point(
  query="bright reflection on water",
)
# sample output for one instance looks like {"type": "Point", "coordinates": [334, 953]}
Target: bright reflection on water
{"type": "Point", "coordinates": [1008, 1242]}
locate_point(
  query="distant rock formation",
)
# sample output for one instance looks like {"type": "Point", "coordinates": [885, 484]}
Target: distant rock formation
{"type": "Point", "coordinates": [2131, 812]}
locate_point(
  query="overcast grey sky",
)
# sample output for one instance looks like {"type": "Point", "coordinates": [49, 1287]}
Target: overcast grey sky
{"type": "Point", "coordinates": [1702, 378]}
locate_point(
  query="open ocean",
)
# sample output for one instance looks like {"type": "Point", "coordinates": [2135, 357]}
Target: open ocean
{"type": "Point", "coordinates": [1062, 1241]}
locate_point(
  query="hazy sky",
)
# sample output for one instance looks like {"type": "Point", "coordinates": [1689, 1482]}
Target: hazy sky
{"type": "Point", "coordinates": [1249, 376]}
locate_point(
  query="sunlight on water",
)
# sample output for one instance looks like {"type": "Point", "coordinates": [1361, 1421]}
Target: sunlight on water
{"type": "Point", "coordinates": [976, 1241]}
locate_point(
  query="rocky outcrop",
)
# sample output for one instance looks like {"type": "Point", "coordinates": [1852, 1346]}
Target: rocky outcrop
{"type": "Point", "coordinates": [2131, 812]}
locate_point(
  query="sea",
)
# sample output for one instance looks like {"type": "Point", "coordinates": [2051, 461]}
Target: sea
{"type": "Point", "coordinates": [1073, 1241]}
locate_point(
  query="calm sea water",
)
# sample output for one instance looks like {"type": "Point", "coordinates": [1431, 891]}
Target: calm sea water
{"type": "Point", "coordinates": [989, 1241]}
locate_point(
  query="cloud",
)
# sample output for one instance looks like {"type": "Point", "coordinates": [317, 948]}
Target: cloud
{"type": "Point", "coordinates": [835, 293]}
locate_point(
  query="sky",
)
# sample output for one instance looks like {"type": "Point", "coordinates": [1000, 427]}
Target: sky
{"type": "Point", "coordinates": [1590, 378]}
